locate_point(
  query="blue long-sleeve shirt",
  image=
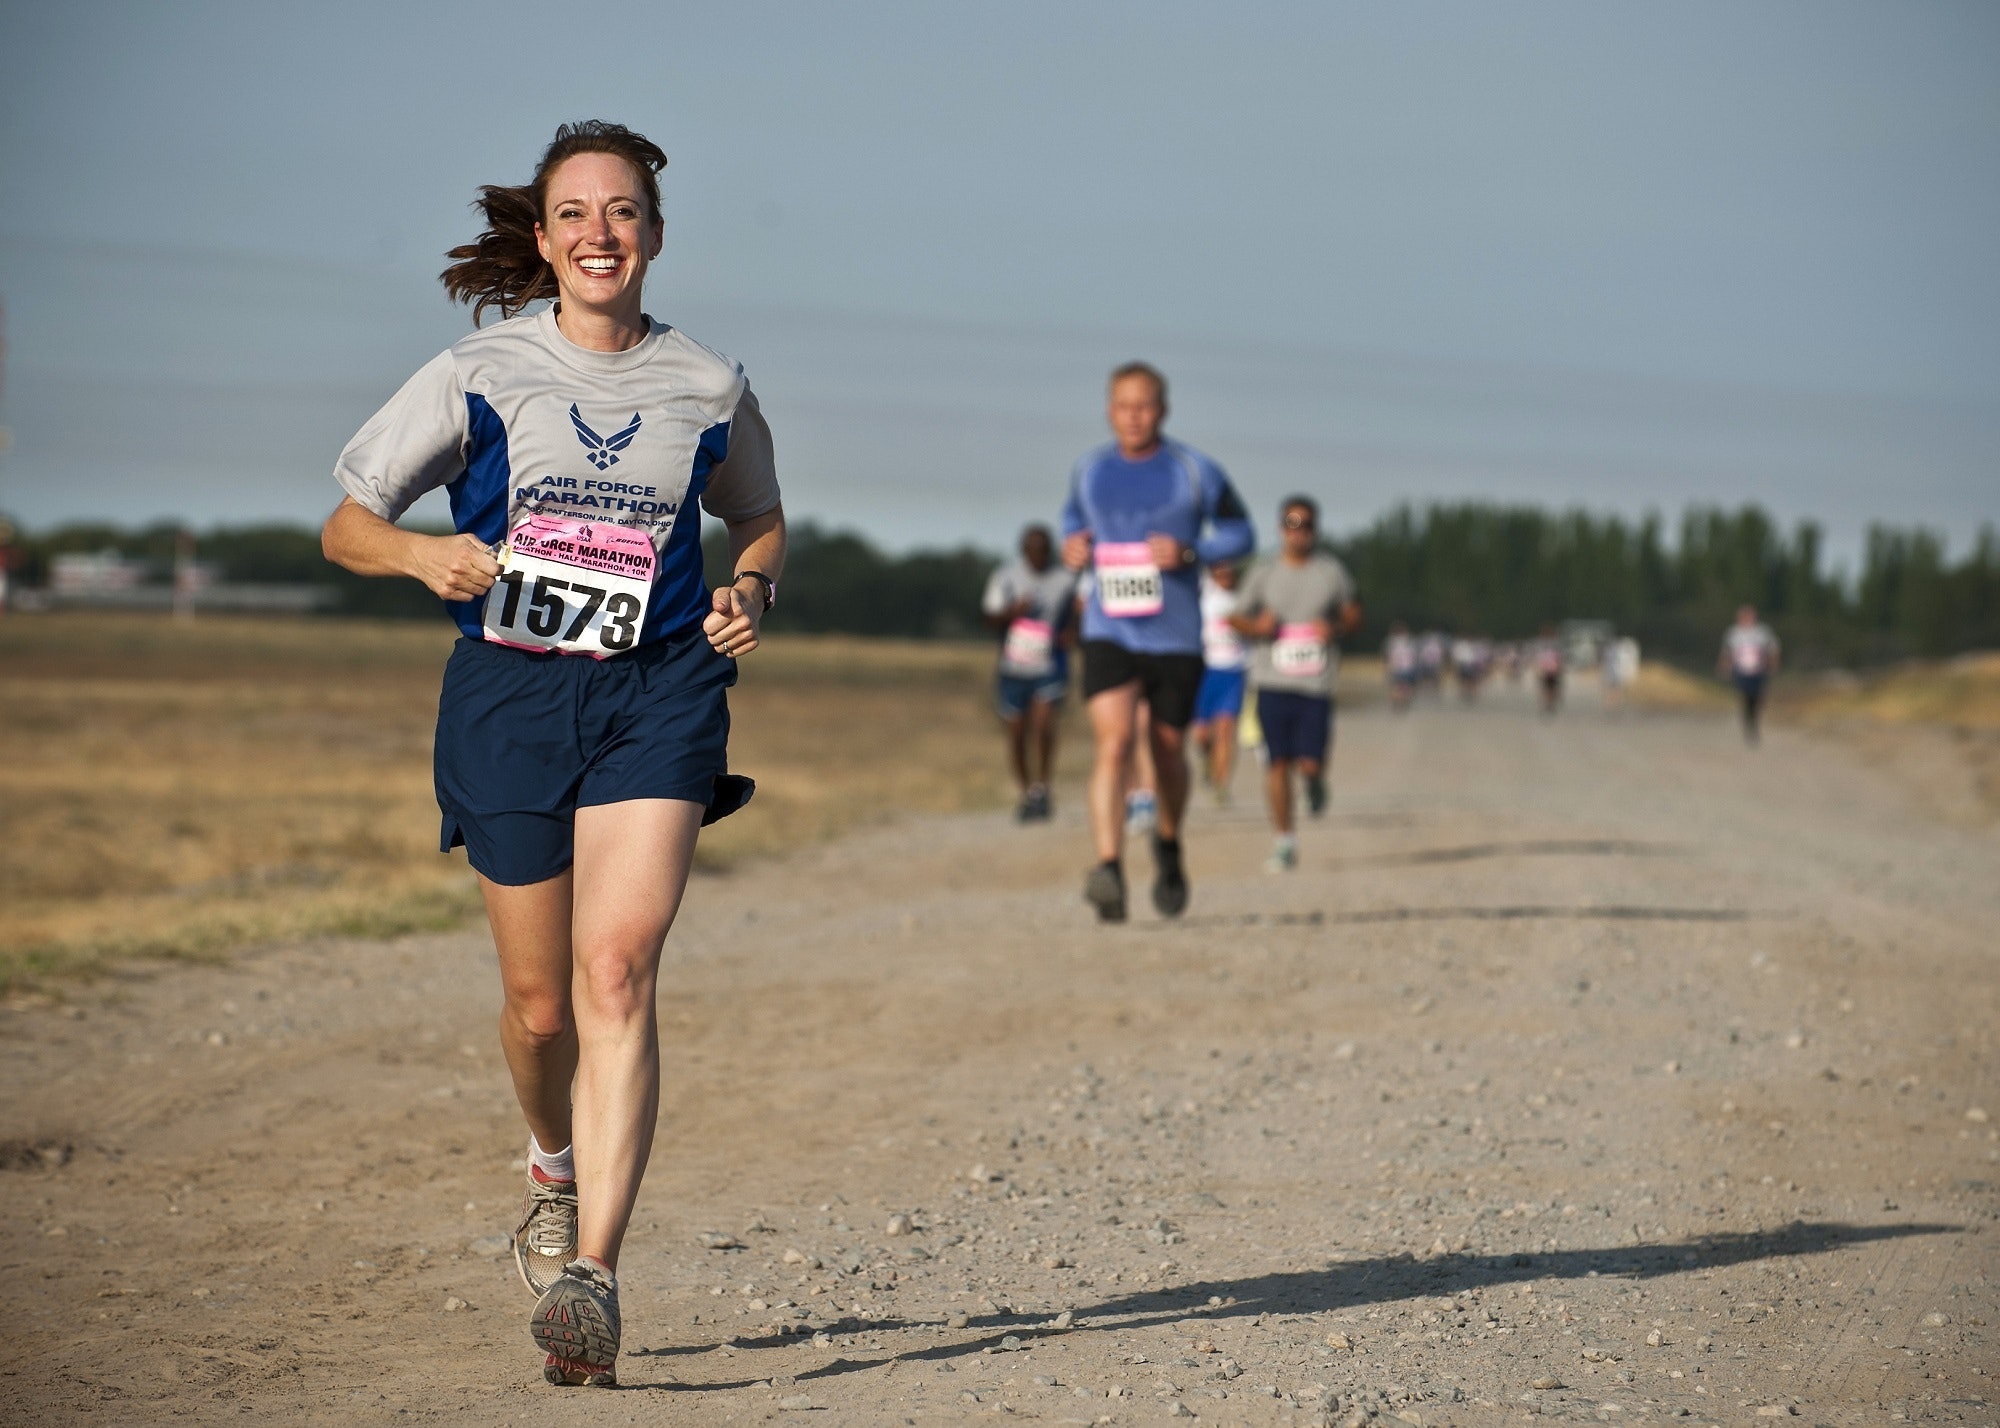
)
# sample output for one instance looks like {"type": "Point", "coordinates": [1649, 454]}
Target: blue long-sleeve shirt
{"type": "Point", "coordinates": [1176, 491]}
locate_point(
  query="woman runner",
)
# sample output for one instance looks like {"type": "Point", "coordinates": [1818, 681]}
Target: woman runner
{"type": "Point", "coordinates": [584, 720]}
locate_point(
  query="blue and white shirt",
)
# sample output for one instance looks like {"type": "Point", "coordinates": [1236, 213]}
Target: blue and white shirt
{"type": "Point", "coordinates": [1176, 491]}
{"type": "Point", "coordinates": [516, 420]}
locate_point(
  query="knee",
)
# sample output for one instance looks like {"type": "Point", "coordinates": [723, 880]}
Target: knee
{"type": "Point", "coordinates": [541, 1018]}
{"type": "Point", "coordinates": [616, 984]}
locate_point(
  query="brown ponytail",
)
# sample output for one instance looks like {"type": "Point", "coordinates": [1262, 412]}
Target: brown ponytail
{"type": "Point", "coordinates": [503, 268]}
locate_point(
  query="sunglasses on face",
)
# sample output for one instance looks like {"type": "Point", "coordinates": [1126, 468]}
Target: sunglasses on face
{"type": "Point", "coordinates": [1298, 523]}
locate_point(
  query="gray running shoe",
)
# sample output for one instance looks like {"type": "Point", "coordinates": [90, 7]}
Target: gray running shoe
{"type": "Point", "coordinates": [1104, 890]}
{"type": "Point", "coordinates": [545, 1240]}
{"type": "Point", "coordinates": [576, 1324]}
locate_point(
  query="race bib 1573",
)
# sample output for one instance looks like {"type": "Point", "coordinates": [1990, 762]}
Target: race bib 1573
{"type": "Point", "coordinates": [575, 587]}
{"type": "Point", "coordinates": [1128, 582]}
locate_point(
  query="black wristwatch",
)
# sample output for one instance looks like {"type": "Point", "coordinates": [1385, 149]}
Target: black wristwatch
{"type": "Point", "coordinates": [770, 585]}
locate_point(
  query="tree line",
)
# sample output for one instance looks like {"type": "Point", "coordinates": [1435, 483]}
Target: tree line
{"type": "Point", "coordinates": [1508, 570]}
{"type": "Point", "coordinates": [1468, 568]}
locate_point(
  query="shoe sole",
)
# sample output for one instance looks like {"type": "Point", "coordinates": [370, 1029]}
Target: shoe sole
{"type": "Point", "coordinates": [1170, 899]}
{"type": "Point", "coordinates": [582, 1352]}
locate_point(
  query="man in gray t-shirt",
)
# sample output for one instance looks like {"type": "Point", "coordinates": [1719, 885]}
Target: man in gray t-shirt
{"type": "Point", "coordinates": [1296, 607]}
{"type": "Point", "coordinates": [1031, 603]}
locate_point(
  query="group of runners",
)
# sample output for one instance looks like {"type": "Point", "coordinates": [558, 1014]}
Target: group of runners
{"type": "Point", "coordinates": [1174, 625]}
{"type": "Point", "coordinates": [583, 720]}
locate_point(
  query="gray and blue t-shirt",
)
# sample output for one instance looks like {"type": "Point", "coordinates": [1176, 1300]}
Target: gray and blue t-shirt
{"type": "Point", "coordinates": [515, 421]}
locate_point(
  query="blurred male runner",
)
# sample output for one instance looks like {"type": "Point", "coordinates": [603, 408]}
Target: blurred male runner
{"type": "Point", "coordinates": [1144, 514]}
{"type": "Point", "coordinates": [1030, 603]}
{"type": "Point", "coordinates": [1226, 659]}
{"type": "Point", "coordinates": [1296, 606]}
{"type": "Point", "coordinates": [1749, 656]}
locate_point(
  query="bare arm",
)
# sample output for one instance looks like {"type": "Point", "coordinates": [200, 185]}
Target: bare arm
{"type": "Point", "coordinates": [1259, 626]}
{"type": "Point", "coordinates": [737, 610]}
{"type": "Point", "coordinates": [453, 567]}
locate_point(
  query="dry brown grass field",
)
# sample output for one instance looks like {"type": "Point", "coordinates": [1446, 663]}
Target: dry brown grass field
{"type": "Point", "coordinates": [178, 789]}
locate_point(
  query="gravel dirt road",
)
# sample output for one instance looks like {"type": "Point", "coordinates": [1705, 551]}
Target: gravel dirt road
{"type": "Point", "coordinates": [1595, 1069]}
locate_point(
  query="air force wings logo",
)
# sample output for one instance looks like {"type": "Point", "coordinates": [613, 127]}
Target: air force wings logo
{"type": "Point", "coordinates": [602, 451]}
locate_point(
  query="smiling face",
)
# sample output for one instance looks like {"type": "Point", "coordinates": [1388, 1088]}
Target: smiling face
{"type": "Point", "coordinates": [598, 236]}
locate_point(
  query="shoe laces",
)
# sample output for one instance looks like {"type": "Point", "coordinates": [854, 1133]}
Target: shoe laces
{"type": "Point", "coordinates": [549, 1222]}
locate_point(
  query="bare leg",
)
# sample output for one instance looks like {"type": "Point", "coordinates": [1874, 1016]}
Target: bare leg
{"type": "Point", "coordinates": [1222, 751]}
{"type": "Point", "coordinates": [1170, 775]}
{"type": "Point", "coordinates": [1017, 748]}
{"type": "Point", "coordinates": [1278, 788]}
{"type": "Point", "coordinates": [1111, 730]}
{"type": "Point", "coordinates": [632, 863]}
{"type": "Point", "coordinates": [1042, 730]}
{"type": "Point", "coordinates": [1143, 773]}
{"type": "Point", "coordinates": [537, 1033]}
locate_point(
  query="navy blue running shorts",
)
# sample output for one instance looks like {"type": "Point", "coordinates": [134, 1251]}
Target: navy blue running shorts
{"type": "Point", "coordinates": [525, 738]}
{"type": "Point", "coordinates": [1296, 726]}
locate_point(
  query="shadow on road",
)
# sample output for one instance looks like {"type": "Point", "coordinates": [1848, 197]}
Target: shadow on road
{"type": "Point", "coordinates": [1522, 848]}
{"type": "Point", "coordinates": [1318, 917]}
{"type": "Point", "coordinates": [1344, 1286]}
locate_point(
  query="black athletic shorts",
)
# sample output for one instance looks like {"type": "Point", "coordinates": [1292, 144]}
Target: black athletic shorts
{"type": "Point", "coordinates": [1169, 681]}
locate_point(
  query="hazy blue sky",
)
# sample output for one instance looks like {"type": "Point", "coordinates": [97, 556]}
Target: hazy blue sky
{"type": "Point", "coordinates": [1616, 255]}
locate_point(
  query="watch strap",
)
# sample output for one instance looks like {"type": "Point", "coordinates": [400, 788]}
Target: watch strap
{"type": "Point", "coordinates": [770, 585]}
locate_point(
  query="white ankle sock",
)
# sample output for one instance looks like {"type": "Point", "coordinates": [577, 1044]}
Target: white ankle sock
{"type": "Point", "coordinates": [556, 1165]}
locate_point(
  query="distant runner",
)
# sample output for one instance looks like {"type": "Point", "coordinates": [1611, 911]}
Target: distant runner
{"type": "Point", "coordinates": [1030, 602]}
{"type": "Point", "coordinates": [1399, 661]}
{"type": "Point", "coordinates": [1546, 655]}
{"type": "Point", "coordinates": [1136, 515]}
{"type": "Point", "coordinates": [1749, 656]}
{"type": "Point", "coordinates": [1296, 606]}
{"type": "Point", "coordinates": [1621, 668]}
{"type": "Point", "coordinates": [1225, 659]}
{"type": "Point", "coordinates": [583, 727]}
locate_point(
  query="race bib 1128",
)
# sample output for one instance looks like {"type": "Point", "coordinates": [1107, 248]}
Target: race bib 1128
{"type": "Point", "coordinates": [575, 587]}
{"type": "Point", "coordinates": [1128, 582]}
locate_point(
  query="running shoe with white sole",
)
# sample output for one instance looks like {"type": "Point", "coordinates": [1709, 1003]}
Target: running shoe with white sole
{"type": "Point", "coordinates": [1170, 885]}
{"type": "Point", "coordinates": [576, 1323]}
{"type": "Point", "coordinates": [545, 1240]}
{"type": "Point", "coordinates": [1104, 890]}
{"type": "Point", "coordinates": [1284, 857]}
